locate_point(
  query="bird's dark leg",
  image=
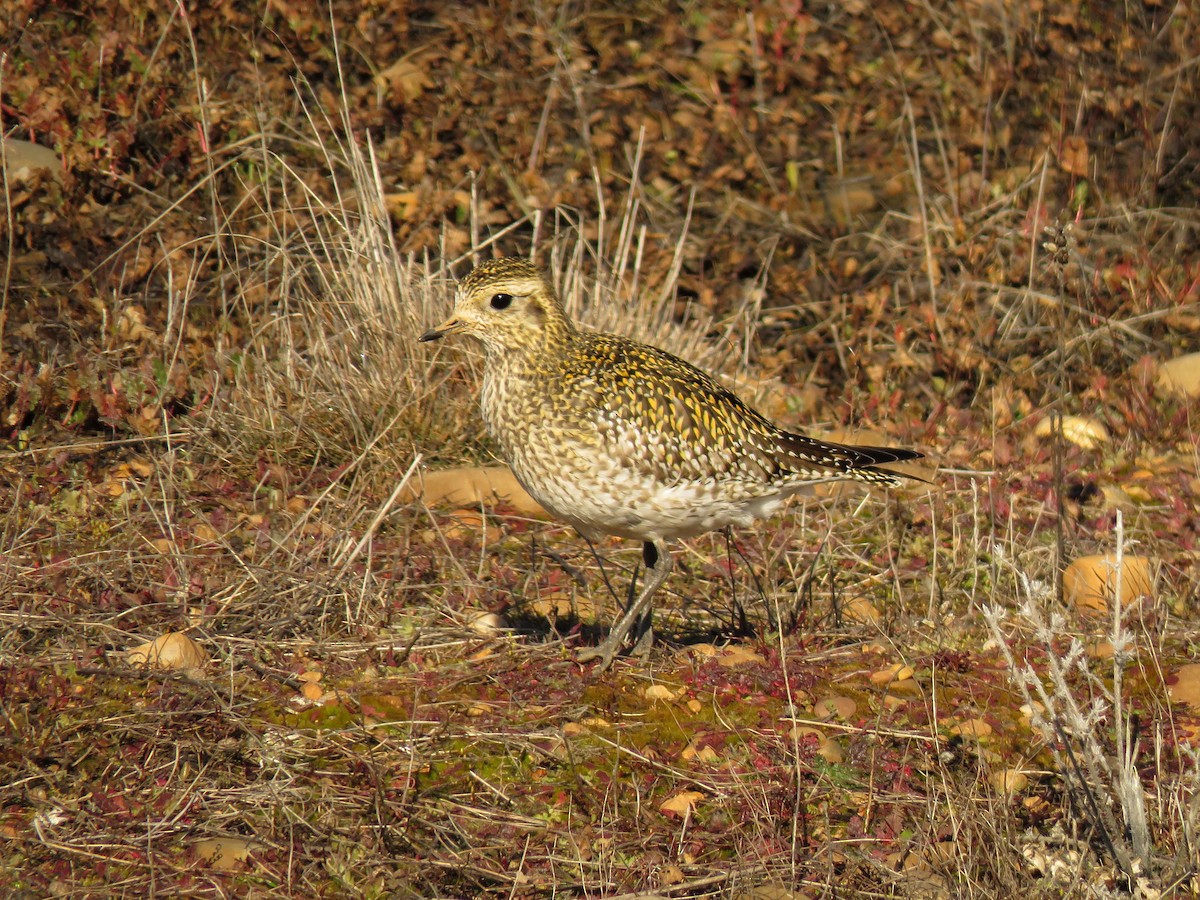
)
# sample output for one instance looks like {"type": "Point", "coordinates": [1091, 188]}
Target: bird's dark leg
{"type": "Point", "coordinates": [637, 617]}
{"type": "Point", "coordinates": [631, 593]}
{"type": "Point", "coordinates": [643, 630]}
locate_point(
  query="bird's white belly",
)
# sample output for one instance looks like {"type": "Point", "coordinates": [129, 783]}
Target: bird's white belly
{"type": "Point", "coordinates": [600, 497]}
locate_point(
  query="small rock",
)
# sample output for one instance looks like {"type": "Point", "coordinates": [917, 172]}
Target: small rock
{"type": "Point", "coordinates": [169, 651]}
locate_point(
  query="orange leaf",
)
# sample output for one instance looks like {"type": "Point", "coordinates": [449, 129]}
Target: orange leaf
{"type": "Point", "coordinates": [682, 802]}
{"type": "Point", "coordinates": [1074, 157]}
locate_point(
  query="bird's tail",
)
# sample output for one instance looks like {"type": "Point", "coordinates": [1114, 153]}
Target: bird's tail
{"type": "Point", "coordinates": [843, 460]}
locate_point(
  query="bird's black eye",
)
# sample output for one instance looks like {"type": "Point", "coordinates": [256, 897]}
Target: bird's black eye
{"type": "Point", "coordinates": [501, 301]}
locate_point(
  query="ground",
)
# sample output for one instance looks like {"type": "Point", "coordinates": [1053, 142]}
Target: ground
{"type": "Point", "coordinates": [968, 228]}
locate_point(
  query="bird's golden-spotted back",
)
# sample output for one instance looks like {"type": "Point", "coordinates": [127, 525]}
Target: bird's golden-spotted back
{"type": "Point", "coordinates": [686, 426]}
{"type": "Point", "coordinates": [682, 424]}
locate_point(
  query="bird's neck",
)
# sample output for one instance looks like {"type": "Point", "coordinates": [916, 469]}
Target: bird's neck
{"type": "Point", "coordinates": [557, 334]}
{"type": "Point", "coordinates": [541, 354]}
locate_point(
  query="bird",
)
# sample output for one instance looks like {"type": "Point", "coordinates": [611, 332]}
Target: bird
{"type": "Point", "coordinates": [617, 437]}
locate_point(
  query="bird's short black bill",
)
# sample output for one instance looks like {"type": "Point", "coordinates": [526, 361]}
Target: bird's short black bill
{"type": "Point", "coordinates": [431, 335]}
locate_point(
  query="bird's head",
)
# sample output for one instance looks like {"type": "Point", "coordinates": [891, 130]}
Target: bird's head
{"type": "Point", "coordinates": [509, 304]}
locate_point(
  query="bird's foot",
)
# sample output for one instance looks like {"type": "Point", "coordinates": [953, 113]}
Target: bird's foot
{"type": "Point", "coordinates": [611, 648]}
{"type": "Point", "coordinates": [644, 643]}
{"type": "Point", "coordinates": [606, 652]}
{"type": "Point", "coordinates": [635, 622]}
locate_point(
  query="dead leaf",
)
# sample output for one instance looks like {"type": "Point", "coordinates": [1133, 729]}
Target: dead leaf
{"type": "Point", "coordinates": [670, 875]}
{"type": "Point", "coordinates": [847, 198]}
{"type": "Point", "coordinates": [402, 204]}
{"type": "Point", "coordinates": [861, 610]}
{"type": "Point", "coordinates": [203, 533]}
{"type": "Point", "coordinates": [831, 751]}
{"type": "Point", "coordinates": [909, 687]}
{"type": "Point", "coordinates": [310, 690]}
{"type": "Point", "coordinates": [1090, 582]}
{"type": "Point", "coordinates": [738, 655]}
{"type": "Point", "coordinates": [131, 325]}
{"type": "Point", "coordinates": [894, 672]}
{"type": "Point", "coordinates": [584, 726]}
{"type": "Point", "coordinates": [835, 708]}
{"type": "Point", "coordinates": [143, 468]}
{"type": "Point", "coordinates": [1027, 710]}
{"type": "Point", "coordinates": [800, 732]}
{"type": "Point", "coordinates": [682, 803]}
{"type": "Point", "coordinates": [723, 55]}
{"type": "Point", "coordinates": [971, 728]}
{"type": "Point", "coordinates": [657, 692]}
{"type": "Point", "coordinates": [225, 854]}
{"type": "Point", "coordinates": [1009, 781]}
{"type": "Point", "coordinates": [404, 80]}
{"type": "Point", "coordinates": [111, 488]}
{"type": "Point", "coordinates": [775, 890]}
{"type": "Point", "coordinates": [1081, 431]}
{"type": "Point", "coordinates": [1074, 157]}
{"type": "Point", "coordinates": [1116, 498]}
{"type": "Point", "coordinates": [472, 486]}
{"type": "Point", "coordinates": [1186, 686]}
{"type": "Point", "coordinates": [1180, 375]}
{"type": "Point", "coordinates": [705, 753]}
{"type": "Point", "coordinates": [1138, 494]}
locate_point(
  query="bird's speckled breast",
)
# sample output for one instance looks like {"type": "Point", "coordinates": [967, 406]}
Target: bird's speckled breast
{"type": "Point", "coordinates": [552, 444]}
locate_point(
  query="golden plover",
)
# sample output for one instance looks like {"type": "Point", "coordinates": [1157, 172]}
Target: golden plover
{"type": "Point", "coordinates": [617, 437]}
